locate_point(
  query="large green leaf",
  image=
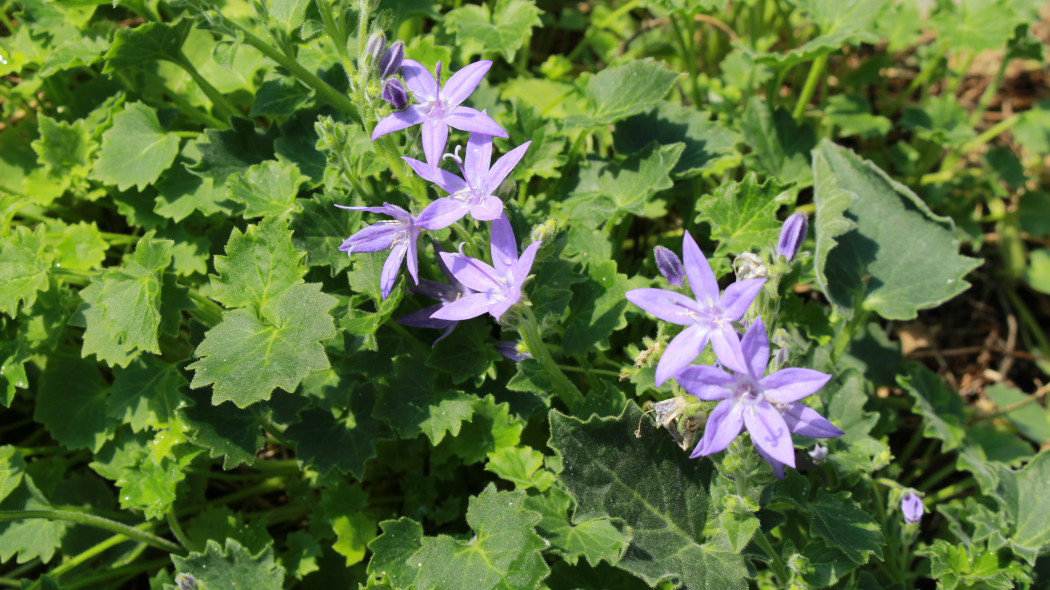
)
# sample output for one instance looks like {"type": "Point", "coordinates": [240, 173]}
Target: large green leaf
{"type": "Point", "coordinates": [743, 215]}
{"type": "Point", "coordinates": [655, 489]}
{"type": "Point", "coordinates": [780, 145]}
{"type": "Point", "coordinates": [344, 443]}
{"type": "Point", "coordinates": [24, 263]}
{"type": "Point", "coordinates": [266, 189]}
{"type": "Point", "coordinates": [245, 358]}
{"type": "Point", "coordinates": [624, 90]}
{"type": "Point", "coordinates": [259, 267]}
{"type": "Point", "coordinates": [898, 258]}
{"type": "Point", "coordinates": [1023, 495]}
{"type": "Point", "coordinates": [708, 144]}
{"type": "Point", "coordinates": [232, 566]}
{"type": "Point", "coordinates": [503, 27]}
{"type": "Point", "coordinates": [149, 42]}
{"type": "Point", "coordinates": [71, 403]}
{"type": "Point", "coordinates": [135, 150]}
{"type": "Point", "coordinates": [841, 23]}
{"type": "Point", "coordinates": [977, 25]}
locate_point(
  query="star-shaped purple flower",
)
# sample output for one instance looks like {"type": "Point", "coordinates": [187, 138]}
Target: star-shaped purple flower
{"type": "Point", "coordinates": [708, 316]}
{"type": "Point", "coordinates": [473, 192]}
{"type": "Point", "coordinates": [498, 286]}
{"type": "Point", "coordinates": [399, 235]}
{"type": "Point", "coordinates": [767, 405]}
{"type": "Point", "coordinates": [439, 107]}
{"type": "Point", "coordinates": [443, 293]}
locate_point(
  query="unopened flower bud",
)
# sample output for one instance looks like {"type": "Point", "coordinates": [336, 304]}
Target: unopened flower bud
{"type": "Point", "coordinates": [791, 235]}
{"type": "Point", "coordinates": [374, 47]}
{"type": "Point", "coordinates": [390, 62]}
{"type": "Point", "coordinates": [911, 507]}
{"type": "Point", "coordinates": [819, 454]}
{"type": "Point", "coordinates": [749, 266]}
{"type": "Point", "coordinates": [543, 232]}
{"type": "Point", "coordinates": [394, 93]}
{"type": "Point", "coordinates": [669, 265]}
{"type": "Point", "coordinates": [511, 351]}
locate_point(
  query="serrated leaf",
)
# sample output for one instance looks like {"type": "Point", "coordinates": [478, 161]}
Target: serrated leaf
{"type": "Point", "coordinates": [410, 402]}
{"type": "Point", "coordinates": [64, 149]}
{"type": "Point", "coordinates": [149, 42]}
{"type": "Point", "coordinates": [622, 91]}
{"type": "Point", "coordinates": [898, 259]}
{"type": "Point", "coordinates": [743, 216]}
{"type": "Point", "coordinates": [260, 266]}
{"type": "Point", "coordinates": [79, 247]}
{"type": "Point", "coordinates": [29, 538]}
{"type": "Point", "coordinates": [180, 193]}
{"type": "Point", "coordinates": [835, 519]}
{"type": "Point", "coordinates": [288, 14]}
{"type": "Point", "coordinates": [245, 358]}
{"type": "Point", "coordinates": [147, 394]}
{"type": "Point", "coordinates": [392, 551]}
{"type": "Point", "coordinates": [71, 403]}
{"type": "Point", "coordinates": [522, 466]}
{"type": "Point", "coordinates": [135, 150]}
{"type": "Point", "coordinates": [278, 98]}
{"type": "Point", "coordinates": [321, 228]}
{"type": "Point", "coordinates": [226, 152]}
{"type": "Point", "coordinates": [598, 309]}
{"type": "Point", "coordinates": [604, 191]}
{"type": "Point", "coordinates": [653, 486]}
{"type": "Point", "coordinates": [24, 265]}
{"type": "Point", "coordinates": [352, 534]}
{"type": "Point", "coordinates": [707, 143]}
{"type": "Point", "coordinates": [1030, 419]}
{"type": "Point", "coordinates": [223, 430]}
{"type": "Point", "coordinates": [977, 25]}
{"type": "Point", "coordinates": [12, 468]}
{"type": "Point", "coordinates": [841, 23]}
{"type": "Point", "coordinates": [781, 146]}
{"type": "Point", "coordinates": [266, 189]}
{"type": "Point", "coordinates": [466, 354]}
{"type": "Point", "coordinates": [325, 442]}
{"type": "Point", "coordinates": [595, 540]}
{"type": "Point", "coordinates": [503, 28]}
{"type": "Point", "coordinates": [941, 408]}
{"type": "Point", "coordinates": [232, 566]}
{"type": "Point", "coordinates": [504, 552]}
{"type": "Point", "coordinates": [1023, 494]}
{"type": "Point", "coordinates": [490, 428]}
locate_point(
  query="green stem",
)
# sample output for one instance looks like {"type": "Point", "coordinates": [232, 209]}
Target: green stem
{"type": "Point", "coordinates": [176, 529]}
{"type": "Point", "coordinates": [220, 102]}
{"type": "Point", "coordinates": [690, 62]}
{"type": "Point", "coordinates": [206, 311]}
{"type": "Point", "coordinates": [816, 71]}
{"type": "Point", "coordinates": [1034, 327]}
{"type": "Point", "coordinates": [530, 333]}
{"type": "Point", "coordinates": [775, 560]}
{"type": "Point", "coordinates": [91, 581]}
{"type": "Point", "coordinates": [989, 94]}
{"type": "Point", "coordinates": [948, 492]}
{"type": "Point", "coordinates": [95, 521]}
{"type": "Point", "coordinates": [585, 371]}
{"type": "Point", "coordinates": [80, 558]}
{"type": "Point", "coordinates": [937, 476]}
{"type": "Point", "coordinates": [843, 339]}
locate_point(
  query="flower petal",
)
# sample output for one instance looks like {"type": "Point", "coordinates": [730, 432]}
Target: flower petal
{"type": "Point", "coordinates": [490, 209]}
{"type": "Point", "coordinates": [769, 432]}
{"type": "Point", "coordinates": [472, 272]}
{"type": "Point", "coordinates": [436, 290]}
{"type": "Point", "coordinates": [701, 278]}
{"type": "Point", "coordinates": [476, 162]}
{"type": "Point", "coordinates": [423, 319]}
{"type": "Point", "coordinates": [465, 308]}
{"type": "Point", "coordinates": [738, 297]}
{"type": "Point", "coordinates": [504, 166]}
{"type": "Point", "coordinates": [390, 268]}
{"type": "Point", "coordinates": [474, 121]}
{"type": "Point", "coordinates": [442, 213]}
{"type": "Point", "coordinates": [413, 115]}
{"type": "Point", "coordinates": [434, 136]}
{"type": "Point", "coordinates": [778, 467]}
{"type": "Point", "coordinates": [706, 383]}
{"type": "Point", "coordinates": [667, 305]}
{"type": "Point", "coordinates": [503, 245]}
{"type": "Point", "coordinates": [510, 297]}
{"type": "Point", "coordinates": [463, 82]}
{"type": "Point", "coordinates": [755, 346]}
{"type": "Point", "coordinates": [724, 424]}
{"type": "Point", "coordinates": [791, 385]}
{"type": "Point", "coordinates": [726, 344]}
{"type": "Point", "coordinates": [681, 351]}
{"type": "Point", "coordinates": [521, 269]}
{"type": "Point", "coordinates": [413, 255]}
{"type": "Point", "coordinates": [449, 182]}
{"type": "Point", "coordinates": [804, 420]}
{"type": "Point", "coordinates": [374, 238]}
{"type": "Point", "coordinates": [419, 80]}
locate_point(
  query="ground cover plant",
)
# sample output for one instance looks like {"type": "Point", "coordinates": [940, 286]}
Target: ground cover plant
{"type": "Point", "coordinates": [604, 294]}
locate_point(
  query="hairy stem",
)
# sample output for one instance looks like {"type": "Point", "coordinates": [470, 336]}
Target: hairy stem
{"type": "Point", "coordinates": [97, 522]}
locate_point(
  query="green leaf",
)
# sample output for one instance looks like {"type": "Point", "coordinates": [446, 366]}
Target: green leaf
{"type": "Point", "coordinates": [24, 265]}
{"type": "Point", "coordinates": [595, 540]}
{"type": "Point", "coordinates": [1030, 419]}
{"type": "Point", "coordinates": [841, 23]}
{"type": "Point", "coordinates": [321, 228]}
{"type": "Point", "coordinates": [259, 268]}
{"type": "Point", "coordinates": [708, 144]}
{"type": "Point", "coordinates": [30, 538]}
{"type": "Point", "coordinates": [941, 408]}
{"type": "Point", "coordinates": [490, 428]}
{"type": "Point", "coordinates": [392, 552]}
{"type": "Point", "coordinates": [504, 551]}
{"type": "Point", "coordinates": [122, 308]}
{"type": "Point", "coordinates": [977, 25]}
{"type": "Point", "coordinates": [653, 486]}
{"type": "Point", "coordinates": [1023, 495]}
{"type": "Point", "coordinates": [12, 468]}
{"type": "Point", "coordinates": [147, 394]}
{"type": "Point", "coordinates": [853, 116]}
{"type": "Point", "coordinates": [232, 566]}
{"type": "Point", "coordinates": [522, 466]}
{"type": "Point", "coordinates": [835, 519]}
{"type": "Point", "coordinates": [780, 145]}
{"type": "Point", "coordinates": [143, 44]}
{"type": "Point", "coordinates": [598, 309]}
{"type": "Point", "coordinates": [79, 247]}
{"type": "Point", "coordinates": [64, 149]}
{"type": "Point", "coordinates": [410, 402]}
{"type": "Point", "coordinates": [899, 258]}
{"type": "Point", "coordinates": [266, 189]}
{"type": "Point", "coordinates": [287, 14]}
{"type": "Point", "coordinates": [605, 191]}
{"type": "Point", "coordinates": [135, 150]}
{"type": "Point", "coordinates": [743, 216]}
{"type": "Point", "coordinates": [1038, 272]}
{"type": "Point", "coordinates": [180, 193]}
{"type": "Point", "coordinates": [246, 358]}
{"type": "Point", "coordinates": [353, 533]}
{"type": "Point", "coordinates": [467, 353]}
{"type": "Point", "coordinates": [223, 430]}
{"type": "Point", "coordinates": [233, 150]}
{"type": "Point", "coordinates": [278, 98]}
{"type": "Point", "coordinates": [71, 404]}
{"type": "Point", "coordinates": [504, 28]}
{"type": "Point", "coordinates": [621, 91]}
{"type": "Point", "coordinates": [74, 53]}
{"type": "Point", "coordinates": [326, 442]}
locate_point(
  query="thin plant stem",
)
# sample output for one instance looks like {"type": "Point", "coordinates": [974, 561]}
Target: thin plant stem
{"type": "Point", "coordinates": [816, 72]}
{"type": "Point", "coordinates": [97, 522]}
{"type": "Point", "coordinates": [220, 102]}
{"type": "Point", "coordinates": [530, 333]}
{"type": "Point", "coordinates": [775, 560]}
{"type": "Point", "coordinates": [176, 529]}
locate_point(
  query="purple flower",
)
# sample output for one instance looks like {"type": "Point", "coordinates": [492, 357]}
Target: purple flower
{"type": "Point", "coordinates": [766, 405]}
{"type": "Point", "coordinates": [473, 192]}
{"type": "Point", "coordinates": [669, 265]}
{"type": "Point", "coordinates": [497, 287]}
{"type": "Point", "coordinates": [708, 317]}
{"type": "Point", "coordinates": [792, 234]}
{"type": "Point", "coordinates": [510, 351]}
{"type": "Point", "coordinates": [394, 93]}
{"type": "Point", "coordinates": [911, 506]}
{"type": "Point", "coordinates": [398, 234]}
{"type": "Point", "coordinates": [438, 107]}
{"type": "Point", "coordinates": [443, 293]}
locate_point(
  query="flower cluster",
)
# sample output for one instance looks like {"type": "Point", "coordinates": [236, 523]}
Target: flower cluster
{"type": "Point", "coordinates": [768, 406]}
{"type": "Point", "coordinates": [475, 287]}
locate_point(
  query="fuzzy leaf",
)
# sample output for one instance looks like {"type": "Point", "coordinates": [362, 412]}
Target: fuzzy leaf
{"type": "Point", "coordinates": [503, 28]}
{"type": "Point", "coordinates": [24, 263]}
{"type": "Point", "coordinates": [147, 394]}
{"type": "Point", "coordinates": [522, 466]}
{"type": "Point", "coordinates": [409, 401]}
{"type": "Point", "coordinates": [71, 403]}
{"type": "Point", "coordinates": [652, 486]}
{"type": "Point", "coordinates": [941, 408]}
{"type": "Point", "coordinates": [135, 150]}
{"type": "Point", "coordinates": [622, 91]}
{"type": "Point", "coordinates": [707, 143]}
{"type": "Point", "coordinates": [595, 540]}
{"type": "Point", "coordinates": [743, 216]}
{"type": "Point", "coordinates": [149, 42]}
{"type": "Point", "coordinates": [266, 189]}
{"type": "Point", "coordinates": [325, 442]}
{"type": "Point", "coordinates": [232, 566]}
{"type": "Point", "coordinates": [898, 259]}
{"type": "Point", "coordinates": [260, 266]}
{"type": "Point", "coordinates": [223, 430]}
{"type": "Point", "coordinates": [1023, 495]}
